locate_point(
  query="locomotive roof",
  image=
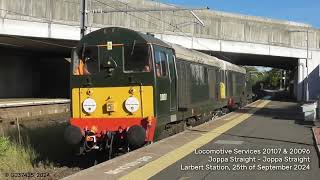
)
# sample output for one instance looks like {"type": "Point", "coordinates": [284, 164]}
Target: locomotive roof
{"type": "Point", "coordinates": [199, 57]}
{"type": "Point", "coordinates": [119, 35]}
{"type": "Point", "coordinates": [233, 67]}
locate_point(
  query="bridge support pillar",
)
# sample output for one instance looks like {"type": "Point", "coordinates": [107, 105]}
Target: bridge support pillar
{"type": "Point", "coordinates": [301, 79]}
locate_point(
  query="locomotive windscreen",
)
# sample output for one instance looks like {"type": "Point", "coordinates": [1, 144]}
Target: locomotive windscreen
{"type": "Point", "coordinates": [91, 59]}
{"type": "Point", "coordinates": [85, 61]}
{"type": "Point", "coordinates": [137, 58]}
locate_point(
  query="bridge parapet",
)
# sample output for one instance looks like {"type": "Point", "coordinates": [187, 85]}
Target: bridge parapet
{"type": "Point", "coordinates": [218, 25]}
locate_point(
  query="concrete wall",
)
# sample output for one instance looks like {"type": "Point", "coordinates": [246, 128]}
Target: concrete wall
{"type": "Point", "coordinates": [219, 25]}
{"type": "Point", "coordinates": [314, 75]}
{"type": "Point", "coordinates": [29, 112]}
{"type": "Point", "coordinates": [301, 75]}
{"type": "Point", "coordinates": [15, 77]}
{"type": "Point", "coordinates": [313, 78]}
{"type": "Point", "coordinates": [53, 77]}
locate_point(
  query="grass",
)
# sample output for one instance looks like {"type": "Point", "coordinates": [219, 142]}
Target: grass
{"type": "Point", "coordinates": [42, 149]}
{"type": "Point", "coordinates": [15, 157]}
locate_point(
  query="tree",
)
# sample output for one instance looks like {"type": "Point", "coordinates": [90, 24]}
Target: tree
{"type": "Point", "coordinates": [255, 76]}
{"type": "Point", "coordinates": [269, 79]}
{"type": "Point", "coordinates": [273, 78]}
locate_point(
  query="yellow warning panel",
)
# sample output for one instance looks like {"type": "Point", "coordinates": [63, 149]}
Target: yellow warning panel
{"type": "Point", "coordinates": [222, 90]}
{"type": "Point", "coordinates": [112, 102]}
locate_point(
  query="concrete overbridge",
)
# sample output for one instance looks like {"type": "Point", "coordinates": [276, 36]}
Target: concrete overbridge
{"type": "Point", "coordinates": [35, 41]}
{"type": "Point", "coordinates": [46, 29]}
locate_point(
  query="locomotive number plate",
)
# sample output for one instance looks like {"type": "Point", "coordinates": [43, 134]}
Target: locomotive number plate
{"type": "Point", "coordinates": [163, 97]}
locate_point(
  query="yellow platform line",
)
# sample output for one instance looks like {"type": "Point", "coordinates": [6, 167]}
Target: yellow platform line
{"type": "Point", "coordinates": [231, 117]}
{"type": "Point", "coordinates": [154, 167]}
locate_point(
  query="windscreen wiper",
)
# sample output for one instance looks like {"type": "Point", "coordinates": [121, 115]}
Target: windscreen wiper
{"type": "Point", "coordinates": [133, 46]}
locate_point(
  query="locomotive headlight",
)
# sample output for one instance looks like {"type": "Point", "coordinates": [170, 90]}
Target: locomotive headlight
{"type": "Point", "coordinates": [89, 105]}
{"type": "Point", "coordinates": [111, 107]}
{"type": "Point", "coordinates": [132, 104]}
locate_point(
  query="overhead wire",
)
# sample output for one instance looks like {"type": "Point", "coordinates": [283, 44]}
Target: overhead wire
{"type": "Point", "coordinates": [108, 5]}
{"type": "Point", "coordinates": [184, 34]}
{"type": "Point", "coordinates": [169, 23]}
{"type": "Point", "coordinates": [140, 12]}
{"type": "Point", "coordinates": [105, 4]}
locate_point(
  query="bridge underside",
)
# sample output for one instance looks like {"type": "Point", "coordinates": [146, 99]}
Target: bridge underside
{"type": "Point", "coordinates": [37, 46]}
{"type": "Point", "coordinates": [286, 63]}
{"type": "Point", "coordinates": [57, 47]}
{"type": "Point", "coordinates": [34, 67]}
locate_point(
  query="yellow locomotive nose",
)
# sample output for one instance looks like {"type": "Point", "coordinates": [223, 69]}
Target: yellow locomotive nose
{"type": "Point", "coordinates": [112, 102]}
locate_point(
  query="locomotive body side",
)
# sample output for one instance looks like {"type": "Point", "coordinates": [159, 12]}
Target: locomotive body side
{"type": "Point", "coordinates": [207, 85]}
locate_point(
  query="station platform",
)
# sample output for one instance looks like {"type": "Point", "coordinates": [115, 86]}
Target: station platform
{"type": "Point", "coordinates": [264, 140]}
{"type": "Point", "coordinates": [31, 107]}
{"type": "Point", "coordinates": [18, 102]}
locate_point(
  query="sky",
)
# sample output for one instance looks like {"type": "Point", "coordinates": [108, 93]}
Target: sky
{"type": "Point", "coordinates": [305, 11]}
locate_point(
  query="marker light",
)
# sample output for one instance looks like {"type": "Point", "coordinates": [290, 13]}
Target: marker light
{"type": "Point", "coordinates": [132, 104]}
{"type": "Point", "coordinates": [89, 105]}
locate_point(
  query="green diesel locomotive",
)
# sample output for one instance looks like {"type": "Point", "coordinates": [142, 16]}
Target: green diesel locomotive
{"type": "Point", "coordinates": [129, 89]}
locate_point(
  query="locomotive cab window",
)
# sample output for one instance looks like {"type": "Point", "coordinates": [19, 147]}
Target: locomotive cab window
{"type": "Point", "coordinates": [137, 58]}
{"type": "Point", "coordinates": [75, 61]}
{"type": "Point", "coordinates": [86, 61]}
{"type": "Point", "coordinates": [161, 63]}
